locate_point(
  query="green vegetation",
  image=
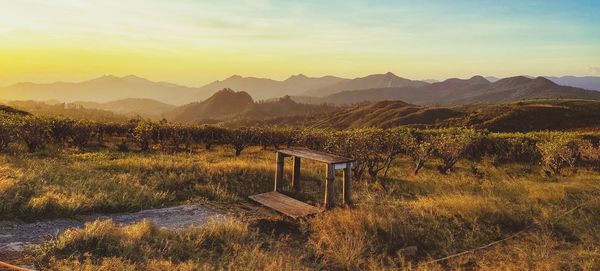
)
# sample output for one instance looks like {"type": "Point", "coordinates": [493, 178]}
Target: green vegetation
{"type": "Point", "coordinates": [472, 188]}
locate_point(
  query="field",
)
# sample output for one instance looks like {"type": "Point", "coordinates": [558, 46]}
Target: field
{"type": "Point", "coordinates": [475, 203]}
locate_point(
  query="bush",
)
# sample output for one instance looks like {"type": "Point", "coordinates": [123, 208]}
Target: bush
{"type": "Point", "coordinates": [558, 150]}
{"type": "Point", "coordinates": [419, 148]}
{"type": "Point", "coordinates": [34, 131]}
{"type": "Point", "coordinates": [143, 133]}
{"type": "Point", "coordinates": [241, 138]}
{"type": "Point", "coordinates": [209, 135]}
{"type": "Point", "coordinates": [8, 124]}
{"type": "Point", "coordinates": [451, 145]}
{"type": "Point", "coordinates": [82, 132]}
{"type": "Point", "coordinates": [514, 147]}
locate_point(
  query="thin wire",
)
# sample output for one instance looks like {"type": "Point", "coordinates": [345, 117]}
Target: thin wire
{"type": "Point", "coordinates": [509, 237]}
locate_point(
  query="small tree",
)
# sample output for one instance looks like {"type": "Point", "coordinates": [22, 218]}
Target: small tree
{"type": "Point", "coordinates": [396, 143]}
{"type": "Point", "coordinates": [589, 152]}
{"type": "Point", "coordinates": [558, 150]}
{"type": "Point", "coordinates": [143, 133]}
{"type": "Point", "coordinates": [83, 132]}
{"type": "Point", "coordinates": [8, 125]}
{"type": "Point", "coordinates": [62, 130]}
{"type": "Point", "coordinates": [209, 135]}
{"type": "Point", "coordinates": [241, 138]}
{"type": "Point", "coordinates": [419, 148]}
{"type": "Point", "coordinates": [35, 132]}
{"type": "Point", "coordinates": [451, 145]}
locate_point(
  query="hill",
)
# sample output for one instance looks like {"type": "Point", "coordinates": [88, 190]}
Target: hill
{"type": "Point", "coordinates": [385, 114]}
{"type": "Point", "coordinates": [223, 104]}
{"type": "Point", "coordinates": [132, 107]}
{"type": "Point", "coordinates": [585, 82]}
{"type": "Point", "coordinates": [103, 89]}
{"type": "Point", "coordinates": [533, 115]}
{"type": "Point", "coordinates": [227, 105]}
{"type": "Point", "coordinates": [387, 80]}
{"type": "Point", "coordinates": [522, 116]}
{"type": "Point", "coordinates": [73, 111]}
{"type": "Point", "coordinates": [4, 109]}
{"type": "Point", "coordinates": [263, 88]}
{"type": "Point", "coordinates": [476, 90]}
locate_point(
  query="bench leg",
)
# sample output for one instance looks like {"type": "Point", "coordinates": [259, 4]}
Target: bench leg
{"type": "Point", "coordinates": [296, 174]}
{"type": "Point", "coordinates": [279, 173]}
{"type": "Point", "coordinates": [329, 187]}
{"type": "Point", "coordinates": [347, 180]}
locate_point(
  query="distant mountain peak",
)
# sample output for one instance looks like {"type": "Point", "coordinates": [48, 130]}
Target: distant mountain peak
{"type": "Point", "coordinates": [297, 77]}
{"type": "Point", "coordinates": [478, 79]}
{"type": "Point", "coordinates": [233, 77]}
{"type": "Point", "coordinates": [513, 81]}
{"type": "Point", "coordinates": [132, 76]}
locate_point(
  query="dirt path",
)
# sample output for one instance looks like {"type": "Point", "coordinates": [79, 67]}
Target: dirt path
{"type": "Point", "coordinates": [15, 237]}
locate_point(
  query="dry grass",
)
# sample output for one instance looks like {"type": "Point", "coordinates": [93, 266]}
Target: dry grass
{"type": "Point", "coordinates": [440, 214]}
{"type": "Point", "coordinates": [58, 184]}
{"type": "Point", "coordinates": [142, 246]}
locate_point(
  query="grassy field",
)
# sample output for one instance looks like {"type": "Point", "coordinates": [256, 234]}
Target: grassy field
{"type": "Point", "coordinates": [474, 205]}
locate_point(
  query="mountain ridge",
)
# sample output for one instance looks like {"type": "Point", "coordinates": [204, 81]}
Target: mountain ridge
{"type": "Point", "coordinates": [455, 91]}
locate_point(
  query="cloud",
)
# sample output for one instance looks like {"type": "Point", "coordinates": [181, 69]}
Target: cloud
{"type": "Point", "coordinates": [594, 69]}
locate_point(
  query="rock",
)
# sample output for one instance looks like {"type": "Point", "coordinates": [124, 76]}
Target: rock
{"type": "Point", "coordinates": [408, 252]}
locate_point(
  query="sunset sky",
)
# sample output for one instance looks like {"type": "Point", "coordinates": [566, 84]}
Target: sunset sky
{"type": "Point", "coordinates": [195, 42]}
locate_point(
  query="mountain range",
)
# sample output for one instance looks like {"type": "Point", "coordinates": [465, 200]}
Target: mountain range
{"type": "Point", "coordinates": [475, 90]}
{"type": "Point", "coordinates": [387, 80]}
{"type": "Point", "coordinates": [103, 89]}
{"type": "Point", "coordinates": [263, 88]}
{"type": "Point", "coordinates": [111, 88]}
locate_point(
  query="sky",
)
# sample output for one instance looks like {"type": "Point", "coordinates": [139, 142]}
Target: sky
{"type": "Point", "coordinates": [196, 42]}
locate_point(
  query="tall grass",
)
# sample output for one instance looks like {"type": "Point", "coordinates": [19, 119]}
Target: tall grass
{"type": "Point", "coordinates": [228, 245]}
{"type": "Point", "coordinates": [441, 214]}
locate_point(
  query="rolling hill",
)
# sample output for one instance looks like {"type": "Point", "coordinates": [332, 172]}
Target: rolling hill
{"type": "Point", "coordinates": [387, 80]}
{"type": "Point", "coordinates": [132, 107]}
{"type": "Point", "coordinates": [4, 109]}
{"type": "Point", "coordinates": [476, 90]}
{"type": "Point", "coordinates": [229, 105]}
{"type": "Point", "coordinates": [74, 111]}
{"type": "Point", "coordinates": [522, 116]}
{"type": "Point", "coordinates": [103, 89]}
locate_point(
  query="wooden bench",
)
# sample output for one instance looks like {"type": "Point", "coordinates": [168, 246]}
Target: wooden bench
{"type": "Point", "coordinates": [294, 208]}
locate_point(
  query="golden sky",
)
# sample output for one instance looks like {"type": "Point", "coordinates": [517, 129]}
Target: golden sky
{"type": "Point", "coordinates": [195, 42]}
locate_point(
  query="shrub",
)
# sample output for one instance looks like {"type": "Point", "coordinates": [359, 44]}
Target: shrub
{"type": "Point", "coordinates": [62, 130]}
{"type": "Point", "coordinates": [241, 138]}
{"type": "Point", "coordinates": [143, 133]}
{"type": "Point", "coordinates": [514, 147]}
{"type": "Point", "coordinates": [558, 150]}
{"type": "Point", "coordinates": [451, 145]}
{"type": "Point", "coordinates": [589, 152]}
{"type": "Point", "coordinates": [34, 131]}
{"type": "Point", "coordinates": [8, 125]}
{"type": "Point", "coordinates": [82, 132]}
{"type": "Point", "coordinates": [419, 147]}
{"type": "Point", "coordinates": [209, 135]}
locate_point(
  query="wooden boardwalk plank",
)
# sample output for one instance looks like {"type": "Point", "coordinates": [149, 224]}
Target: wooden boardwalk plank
{"type": "Point", "coordinates": [316, 155]}
{"type": "Point", "coordinates": [285, 205]}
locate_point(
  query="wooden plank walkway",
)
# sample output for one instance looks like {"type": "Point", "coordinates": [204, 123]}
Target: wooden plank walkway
{"type": "Point", "coordinates": [316, 155]}
{"type": "Point", "coordinates": [285, 205]}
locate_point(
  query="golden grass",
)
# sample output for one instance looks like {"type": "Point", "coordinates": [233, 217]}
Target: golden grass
{"type": "Point", "coordinates": [440, 214]}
